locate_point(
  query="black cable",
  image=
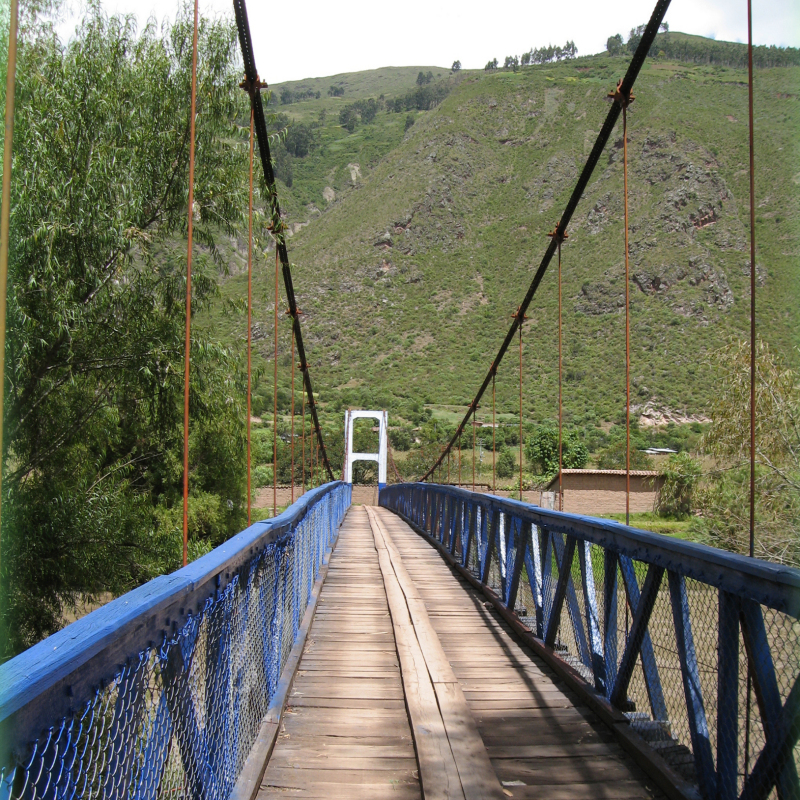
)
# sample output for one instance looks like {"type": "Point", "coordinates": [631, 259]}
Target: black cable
{"type": "Point", "coordinates": [246, 42]}
{"type": "Point", "coordinates": [583, 180]}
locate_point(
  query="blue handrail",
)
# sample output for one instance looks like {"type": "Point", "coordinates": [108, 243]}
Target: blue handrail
{"type": "Point", "coordinates": [696, 619]}
{"type": "Point", "coordinates": [128, 670]}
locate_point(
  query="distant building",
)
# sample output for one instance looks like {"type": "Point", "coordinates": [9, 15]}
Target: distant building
{"type": "Point", "coordinates": [602, 491]}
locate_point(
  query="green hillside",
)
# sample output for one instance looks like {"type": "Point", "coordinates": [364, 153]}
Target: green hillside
{"type": "Point", "coordinates": [412, 246]}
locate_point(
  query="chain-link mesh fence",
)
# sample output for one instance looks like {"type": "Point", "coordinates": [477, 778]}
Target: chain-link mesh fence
{"type": "Point", "coordinates": [179, 719]}
{"type": "Point", "coordinates": [699, 648]}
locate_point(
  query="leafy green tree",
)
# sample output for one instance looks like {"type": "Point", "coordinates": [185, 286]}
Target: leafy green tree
{"type": "Point", "coordinates": [614, 44]}
{"type": "Point", "coordinates": [724, 501]}
{"type": "Point", "coordinates": [456, 66]}
{"type": "Point", "coordinates": [541, 449]}
{"type": "Point", "coordinates": [348, 118]}
{"type": "Point", "coordinates": [613, 456]}
{"type": "Point", "coordinates": [94, 378]}
{"type": "Point", "coordinates": [506, 466]}
{"type": "Point", "coordinates": [681, 475]}
{"type": "Point", "coordinates": [635, 37]}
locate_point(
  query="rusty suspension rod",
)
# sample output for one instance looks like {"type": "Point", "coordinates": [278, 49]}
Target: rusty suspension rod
{"type": "Point", "coordinates": [625, 87]}
{"type": "Point", "coordinates": [252, 80]}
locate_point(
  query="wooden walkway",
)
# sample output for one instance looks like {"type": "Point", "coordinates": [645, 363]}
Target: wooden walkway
{"type": "Point", "coordinates": [410, 687]}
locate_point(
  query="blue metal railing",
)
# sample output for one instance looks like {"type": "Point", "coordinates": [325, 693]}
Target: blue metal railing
{"type": "Point", "coordinates": [672, 650]}
{"type": "Point", "coordinates": [162, 691]}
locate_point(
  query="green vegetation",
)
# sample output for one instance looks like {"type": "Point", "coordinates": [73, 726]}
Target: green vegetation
{"type": "Point", "coordinates": [724, 499]}
{"type": "Point", "coordinates": [420, 242]}
{"type": "Point", "coordinates": [94, 376]}
{"type": "Point", "coordinates": [417, 202]}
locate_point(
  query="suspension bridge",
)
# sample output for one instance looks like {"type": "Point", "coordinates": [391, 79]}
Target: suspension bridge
{"type": "Point", "coordinates": [444, 643]}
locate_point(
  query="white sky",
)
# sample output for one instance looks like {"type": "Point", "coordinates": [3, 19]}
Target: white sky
{"type": "Point", "coordinates": [317, 38]}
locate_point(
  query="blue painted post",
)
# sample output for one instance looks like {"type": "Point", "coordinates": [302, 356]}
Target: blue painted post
{"type": "Point", "coordinates": [641, 617]}
{"type": "Point", "coordinates": [698, 727]}
{"type": "Point", "coordinates": [766, 689]}
{"type": "Point", "coordinates": [548, 591]}
{"type": "Point", "coordinates": [523, 534]}
{"type": "Point", "coordinates": [457, 524]}
{"type": "Point", "coordinates": [488, 539]}
{"type": "Point", "coordinates": [592, 616]}
{"type": "Point", "coordinates": [652, 680]}
{"type": "Point", "coordinates": [778, 752]}
{"type": "Point", "coordinates": [610, 618]}
{"type": "Point", "coordinates": [565, 558]}
{"type": "Point", "coordinates": [502, 543]}
{"type": "Point", "coordinates": [728, 698]}
{"type": "Point", "coordinates": [573, 608]}
{"type": "Point", "coordinates": [533, 566]}
{"type": "Point", "coordinates": [468, 534]}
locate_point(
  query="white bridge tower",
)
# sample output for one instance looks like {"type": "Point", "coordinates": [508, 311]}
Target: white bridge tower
{"type": "Point", "coordinates": [349, 456]}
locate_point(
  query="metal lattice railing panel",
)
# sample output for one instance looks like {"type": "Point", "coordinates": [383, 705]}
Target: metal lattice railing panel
{"type": "Point", "coordinates": [676, 635]}
{"type": "Point", "coordinates": [178, 718]}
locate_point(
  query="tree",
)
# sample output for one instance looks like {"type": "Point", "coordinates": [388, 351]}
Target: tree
{"type": "Point", "coordinates": [724, 501]}
{"type": "Point", "coordinates": [456, 66]}
{"type": "Point", "coordinates": [94, 380]}
{"type": "Point", "coordinates": [613, 456]}
{"type": "Point", "coordinates": [635, 37]}
{"type": "Point", "coordinates": [490, 65]}
{"type": "Point", "coordinates": [506, 466]}
{"type": "Point", "coordinates": [681, 475]}
{"type": "Point", "coordinates": [348, 118]}
{"type": "Point", "coordinates": [541, 449]}
{"type": "Point", "coordinates": [614, 44]}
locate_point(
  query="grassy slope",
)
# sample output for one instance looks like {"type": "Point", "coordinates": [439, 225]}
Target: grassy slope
{"type": "Point", "coordinates": [467, 196]}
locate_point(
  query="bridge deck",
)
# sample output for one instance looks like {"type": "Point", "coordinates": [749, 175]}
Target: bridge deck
{"type": "Point", "coordinates": [354, 715]}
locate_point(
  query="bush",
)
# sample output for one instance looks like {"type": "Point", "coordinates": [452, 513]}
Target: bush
{"type": "Point", "coordinates": [541, 449]}
{"type": "Point", "coordinates": [681, 476]}
{"type": "Point", "coordinates": [506, 467]}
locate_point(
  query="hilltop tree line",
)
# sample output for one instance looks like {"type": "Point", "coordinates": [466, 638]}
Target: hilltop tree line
{"type": "Point", "coordinates": [703, 51]}
{"type": "Point", "coordinates": [541, 55]}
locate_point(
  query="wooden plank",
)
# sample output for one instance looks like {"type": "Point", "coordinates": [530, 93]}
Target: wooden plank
{"type": "Point", "coordinates": [477, 777]}
{"type": "Point", "coordinates": [346, 733]}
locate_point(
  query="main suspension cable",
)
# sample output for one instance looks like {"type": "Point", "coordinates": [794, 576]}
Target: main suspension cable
{"type": "Point", "coordinates": [187, 344]}
{"type": "Point", "coordinates": [635, 66]}
{"type": "Point", "coordinates": [253, 85]}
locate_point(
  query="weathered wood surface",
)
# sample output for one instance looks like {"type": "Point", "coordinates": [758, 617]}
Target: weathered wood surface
{"type": "Point", "coordinates": [486, 713]}
{"type": "Point", "coordinates": [345, 732]}
{"type": "Point", "coordinates": [541, 741]}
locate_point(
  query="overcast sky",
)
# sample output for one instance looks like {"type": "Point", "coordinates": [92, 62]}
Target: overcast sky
{"type": "Point", "coordinates": [316, 38]}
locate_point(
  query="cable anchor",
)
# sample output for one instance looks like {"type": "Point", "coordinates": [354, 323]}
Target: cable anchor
{"type": "Point", "coordinates": [618, 97]}
{"type": "Point", "coordinates": [251, 87]}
